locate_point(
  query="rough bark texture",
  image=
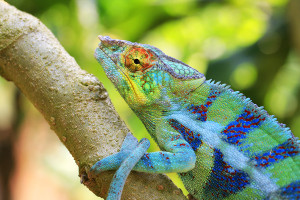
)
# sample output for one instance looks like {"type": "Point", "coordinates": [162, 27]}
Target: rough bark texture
{"type": "Point", "coordinates": [74, 103]}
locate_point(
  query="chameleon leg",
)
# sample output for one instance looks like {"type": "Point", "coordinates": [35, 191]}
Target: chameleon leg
{"type": "Point", "coordinates": [122, 173]}
{"type": "Point", "coordinates": [177, 157]}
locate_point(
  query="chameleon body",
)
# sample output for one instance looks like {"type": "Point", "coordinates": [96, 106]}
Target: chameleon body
{"type": "Point", "coordinates": [221, 144]}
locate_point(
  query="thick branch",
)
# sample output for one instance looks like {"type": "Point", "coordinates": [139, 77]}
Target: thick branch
{"type": "Point", "coordinates": [74, 103]}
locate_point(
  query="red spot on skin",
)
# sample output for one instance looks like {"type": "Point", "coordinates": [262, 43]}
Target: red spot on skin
{"type": "Point", "coordinates": [204, 108]}
{"type": "Point", "coordinates": [176, 137]}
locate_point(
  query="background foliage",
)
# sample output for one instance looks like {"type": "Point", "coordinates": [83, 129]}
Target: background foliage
{"type": "Point", "coordinates": [246, 44]}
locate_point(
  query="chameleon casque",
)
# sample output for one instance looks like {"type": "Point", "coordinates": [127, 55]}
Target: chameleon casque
{"type": "Point", "coordinates": [221, 144]}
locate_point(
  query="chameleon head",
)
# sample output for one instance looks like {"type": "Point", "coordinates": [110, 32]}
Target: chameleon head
{"type": "Point", "coordinates": [143, 74]}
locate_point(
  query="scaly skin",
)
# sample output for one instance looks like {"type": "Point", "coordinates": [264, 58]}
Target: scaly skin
{"type": "Point", "coordinates": [222, 145]}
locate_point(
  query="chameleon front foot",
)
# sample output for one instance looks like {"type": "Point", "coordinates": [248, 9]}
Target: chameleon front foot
{"type": "Point", "coordinates": [130, 153]}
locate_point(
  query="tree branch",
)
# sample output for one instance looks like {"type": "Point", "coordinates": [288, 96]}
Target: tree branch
{"type": "Point", "coordinates": [73, 102]}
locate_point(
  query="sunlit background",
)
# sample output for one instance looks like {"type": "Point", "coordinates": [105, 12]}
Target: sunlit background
{"type": "Point", "coordinates": [251, 45]}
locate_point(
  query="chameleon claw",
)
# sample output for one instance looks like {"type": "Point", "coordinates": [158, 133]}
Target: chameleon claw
{"type": "Point", "coordinates": [83, 178]}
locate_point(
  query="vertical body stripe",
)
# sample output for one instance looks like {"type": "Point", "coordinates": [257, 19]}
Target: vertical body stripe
{"type": "Point", "coordinates": [194, 139]}
{"type": "Point", "coordinates": [201, 111]}
{"type": "Point", "coordinates": [238, 129]}
{"type": "Point", "coordinates": [284, 150]}
{"type": "Point", "coordinates": [224, 179]}
{"type": "Point", "coordinates": [291, 191]}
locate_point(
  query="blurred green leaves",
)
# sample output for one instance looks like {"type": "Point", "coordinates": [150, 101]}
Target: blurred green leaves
{"type": "Point", "coordinates": [243, 76]}
{"type": "Point", "coordinates": [246, 44]}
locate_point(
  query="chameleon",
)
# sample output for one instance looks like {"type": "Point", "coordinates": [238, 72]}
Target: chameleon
{"type": "Point", "coordinates": [222, 145]}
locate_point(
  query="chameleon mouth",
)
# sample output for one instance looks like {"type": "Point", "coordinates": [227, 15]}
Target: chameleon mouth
{"type": "Point", "coordinates": [105, 42]}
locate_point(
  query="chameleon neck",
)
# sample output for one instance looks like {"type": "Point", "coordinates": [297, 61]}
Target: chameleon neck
{"type": "Point", "coordinates": [170, 103]}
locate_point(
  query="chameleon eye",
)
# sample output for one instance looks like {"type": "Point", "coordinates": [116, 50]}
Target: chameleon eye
{"type": "Point", "coordinates": [136, 61]}
{"type": "Point", "coordinates": [139, 59]}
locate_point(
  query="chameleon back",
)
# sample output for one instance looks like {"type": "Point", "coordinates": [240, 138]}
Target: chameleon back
{"type": "Point", "coordinates": [242, 152]}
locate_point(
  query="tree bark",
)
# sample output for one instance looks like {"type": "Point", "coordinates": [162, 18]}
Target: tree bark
{"type": "Point", "coordinates": [74, 103]}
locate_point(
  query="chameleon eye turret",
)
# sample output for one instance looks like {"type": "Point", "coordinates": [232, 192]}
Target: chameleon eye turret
{"type": "Point", "coordinates": [139, 59]}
